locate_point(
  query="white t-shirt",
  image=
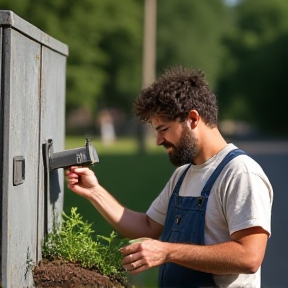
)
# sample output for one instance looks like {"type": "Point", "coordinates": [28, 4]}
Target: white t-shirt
{"type": "Point", "coordinates": [240, 198]}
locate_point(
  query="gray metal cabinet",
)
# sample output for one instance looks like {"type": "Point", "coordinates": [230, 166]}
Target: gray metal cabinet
{"type": "Point", "coordinates": [32, 110]}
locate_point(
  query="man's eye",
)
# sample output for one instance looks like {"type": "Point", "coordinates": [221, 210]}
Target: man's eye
{"type": "Point", "coordinates": [163, 130]}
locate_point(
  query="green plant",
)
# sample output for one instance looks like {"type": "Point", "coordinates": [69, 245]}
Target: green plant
{"type": "Point", "coordinates": [74, 242]}
{"type": "Point", "coordinates": [29, 262]}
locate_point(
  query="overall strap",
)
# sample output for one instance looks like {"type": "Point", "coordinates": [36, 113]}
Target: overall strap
{"type": "Point", "coordinates": [231, 155]}
{"type": "Point", "coordinates": [180, 180]}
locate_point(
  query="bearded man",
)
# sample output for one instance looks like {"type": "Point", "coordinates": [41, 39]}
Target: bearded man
{"type": "Point", "coordinates": [210, 225]}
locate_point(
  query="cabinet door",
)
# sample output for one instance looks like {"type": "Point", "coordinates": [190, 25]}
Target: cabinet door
{"type": "Point", "coordinates": [21, 92]}
{"type": "Point", "coordinates": [52, 127]}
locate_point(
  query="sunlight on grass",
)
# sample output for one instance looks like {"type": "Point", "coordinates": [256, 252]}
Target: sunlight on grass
{"type": "Point", "coordinates": [120, 146]}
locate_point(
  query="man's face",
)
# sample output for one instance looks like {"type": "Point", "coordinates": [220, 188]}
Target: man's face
{"type": "Point", "coordinates": [177, 138]}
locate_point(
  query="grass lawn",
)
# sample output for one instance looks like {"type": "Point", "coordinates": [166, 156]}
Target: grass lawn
{"type": "Point", "coordinates": [133, 179]}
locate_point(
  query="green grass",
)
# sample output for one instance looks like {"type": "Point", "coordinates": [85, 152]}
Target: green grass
{"type": "Point", "coordinates": [133, 179]}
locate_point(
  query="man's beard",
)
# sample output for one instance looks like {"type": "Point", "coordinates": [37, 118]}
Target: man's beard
{"type": "Point", "coordinates": [185, 150]}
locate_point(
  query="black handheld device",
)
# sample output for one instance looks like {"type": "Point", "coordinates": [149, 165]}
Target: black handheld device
{"type": "Point", "coordinates": [82, 156]}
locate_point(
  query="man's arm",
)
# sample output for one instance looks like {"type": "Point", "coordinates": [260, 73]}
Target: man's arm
{"type": "Point", "coordinates": [128, 223]}
{"type": "Point", "coordinates": [243, 254]}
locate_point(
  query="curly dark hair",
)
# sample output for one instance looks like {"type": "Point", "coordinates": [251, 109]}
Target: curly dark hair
{"type": "Point", "coordinates": [176, 92]}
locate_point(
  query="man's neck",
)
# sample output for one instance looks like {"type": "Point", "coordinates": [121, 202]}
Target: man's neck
{"type": "Point", "coordinates": [211, 142]}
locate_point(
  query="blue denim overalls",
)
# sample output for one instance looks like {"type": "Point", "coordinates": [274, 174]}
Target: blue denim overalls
{"type": "Point", "coordinates": [185, 223]}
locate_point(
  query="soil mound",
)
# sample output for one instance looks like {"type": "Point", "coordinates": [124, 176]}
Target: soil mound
{"type": "Point", "coordinates": [60, 274]}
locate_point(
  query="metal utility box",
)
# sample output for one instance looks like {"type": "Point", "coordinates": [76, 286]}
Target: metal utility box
{"type": "Point", "coordinates": [32, 110]}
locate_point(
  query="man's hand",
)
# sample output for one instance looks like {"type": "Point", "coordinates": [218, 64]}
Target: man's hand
{"type": "Point", "coordinates": [143, 255]}
{"type": "Point", "coordinates": [81, 180]}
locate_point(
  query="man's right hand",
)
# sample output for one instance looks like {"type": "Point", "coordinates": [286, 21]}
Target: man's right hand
{"type": "Point", "coordinates": [81, 180]}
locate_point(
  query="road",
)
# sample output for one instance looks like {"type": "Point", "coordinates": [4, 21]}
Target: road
{"type": "Point", "coordinates": [273, 157]}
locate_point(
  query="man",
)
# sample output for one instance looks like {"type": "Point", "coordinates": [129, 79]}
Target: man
{"type": "Point", "coordinates": [210, 224]}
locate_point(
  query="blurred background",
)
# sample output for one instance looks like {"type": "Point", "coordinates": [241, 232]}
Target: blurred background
{"type": "Point", "coordinates": [118, 47]}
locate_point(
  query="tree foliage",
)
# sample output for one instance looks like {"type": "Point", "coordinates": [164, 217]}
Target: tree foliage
{"type": "Point", "coordinates": [104, 39]}
{"type": "Point", "coordinates": [191, 33]}
{"type": "Point", "coordinates": [242, 49]}
{"type": "Point", "coordinates": [255, 86]}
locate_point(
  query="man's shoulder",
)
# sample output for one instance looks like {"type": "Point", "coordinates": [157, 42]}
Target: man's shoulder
{"type": "Point", "coordinates": [242, 162]}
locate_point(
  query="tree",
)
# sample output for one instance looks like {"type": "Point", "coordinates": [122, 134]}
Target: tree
{"type": "Point", "coordinates": [104, 39]}
{"type": "Point", "coordinates": [191, 33]}
{"type": "Point", "coordinates": [255, 85]}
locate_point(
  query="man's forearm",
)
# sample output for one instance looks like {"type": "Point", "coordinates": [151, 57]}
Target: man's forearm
{"type": "Point", "coordinates": [128, 223]}
{"type": "Point", "coordinates": [217, 259]}
{"type": "Point", "coordinates": [225, 258]}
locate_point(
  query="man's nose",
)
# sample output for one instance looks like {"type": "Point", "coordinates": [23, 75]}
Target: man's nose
{"type": "Point", "coordinates": [159, 139]}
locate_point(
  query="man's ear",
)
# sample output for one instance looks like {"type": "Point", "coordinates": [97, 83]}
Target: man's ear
{"type": "Point", "coordinates": [193, 118]}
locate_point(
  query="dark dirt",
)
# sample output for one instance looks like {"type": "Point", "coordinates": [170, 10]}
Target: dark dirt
{"type": "Point", "coordinates": [59, 274]}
